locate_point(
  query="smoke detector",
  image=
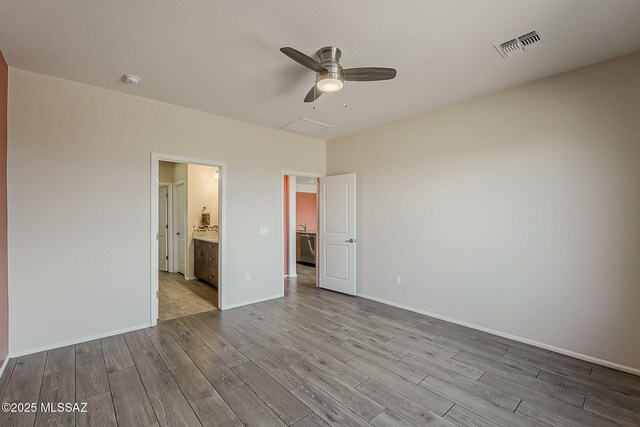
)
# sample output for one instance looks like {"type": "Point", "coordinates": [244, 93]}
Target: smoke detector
{"type": "Point", "coordinates": [131, 79]}
{"type": "Point", "coordinates": [519, 44]}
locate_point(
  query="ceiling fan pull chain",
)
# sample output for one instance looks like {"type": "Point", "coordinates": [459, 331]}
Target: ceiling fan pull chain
{"type": "Point", "coordinates": [315, 95]}
{"type": "Point", "coordinates": [345, 96]}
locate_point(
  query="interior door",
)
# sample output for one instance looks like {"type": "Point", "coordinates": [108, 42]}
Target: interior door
{"type": "Point", "coordinates": [337, 233]}
{"type": "Point", "coordinates": [163, 228]}
{"type": "Point", "coordinates": [180, 214]}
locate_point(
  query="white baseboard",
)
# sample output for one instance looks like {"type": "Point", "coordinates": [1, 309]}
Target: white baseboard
{"type": "Point", "coordinates": [77, 341]}
{"type": "Point", "coordinates": [564, 351]}
{"type": "Point", "coordinates": [4, 364]}
{"type": "Point", "coordinates": [228, 307]}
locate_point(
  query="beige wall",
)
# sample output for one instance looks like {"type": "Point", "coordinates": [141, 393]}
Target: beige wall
{"type": "Point", "coordinates": [79, 197]}
{"type": "Point", "coordinates": [517, 212]}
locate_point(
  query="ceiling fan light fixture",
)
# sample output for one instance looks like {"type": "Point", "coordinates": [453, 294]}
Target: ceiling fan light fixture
{"type": "Point", "coordinates": [329, 84]}
{"type": "Point", "coordinates": [330, 76]}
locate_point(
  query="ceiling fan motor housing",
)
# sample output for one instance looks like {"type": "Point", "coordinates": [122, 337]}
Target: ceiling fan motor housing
{"type": "Point", "coordinates": [329, 58]}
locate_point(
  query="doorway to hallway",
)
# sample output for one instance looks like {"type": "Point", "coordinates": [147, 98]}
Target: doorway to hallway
{"type": "Point", "coordinates": [300, 229]}
{"type": "Point", "coordinates": [320, 229]}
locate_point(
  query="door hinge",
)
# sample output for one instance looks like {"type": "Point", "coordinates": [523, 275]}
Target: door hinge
{"type": "Point", "coordinates": [157, 294]}
{"type": "Point", "coordinates": [167, 257]}
{"type": "Point", "coordinates": [166, 195]}
{"type": "Point", "coordinates": [166, 226]}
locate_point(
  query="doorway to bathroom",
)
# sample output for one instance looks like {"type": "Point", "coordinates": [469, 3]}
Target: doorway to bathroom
{"type": "Point", "coordinates": [187, 273]}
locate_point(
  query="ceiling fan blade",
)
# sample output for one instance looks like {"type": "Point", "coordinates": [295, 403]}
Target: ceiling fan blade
{"type": "Point", "coordinates": [369, 74]}
{"type": "Point", "coordinates": [313, 94]}
{"type": "Point", "coordinates": [303, 59]}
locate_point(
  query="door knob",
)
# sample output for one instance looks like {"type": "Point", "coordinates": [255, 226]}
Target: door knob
{"type": "Point", "coordinates": [350, 240]}
{"type": "Point", "coordinates": [178, 233]}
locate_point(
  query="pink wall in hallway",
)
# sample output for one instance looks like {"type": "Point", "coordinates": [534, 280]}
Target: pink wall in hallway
{"type": "Point", "coordinates": [4, 297]}
{"type": "Point", "coordinates": [306, 211]}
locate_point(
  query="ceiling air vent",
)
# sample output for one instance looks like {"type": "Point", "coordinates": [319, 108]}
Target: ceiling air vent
{"type": "Point", "coordinates": [528, 40]}
{"type": "Point", "coordinates": [519, 44]}
{"type": "Point", "coordinates": [305, 126]}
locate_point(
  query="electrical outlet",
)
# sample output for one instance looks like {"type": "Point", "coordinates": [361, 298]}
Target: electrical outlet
{"type": "Point", "coordinates": [247, 277]}
{"type": "Point", "coordinates": [398, 280]}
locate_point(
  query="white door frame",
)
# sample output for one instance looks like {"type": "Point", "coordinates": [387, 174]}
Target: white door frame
{"type": "Point", "coordinates": [222, 206]}
{"type": "Point", "coordinates": [169, 186]}
{"type": "Point", "coordinates": [292, 224]}
{"type": "Point", "coordinates": [175, 241]}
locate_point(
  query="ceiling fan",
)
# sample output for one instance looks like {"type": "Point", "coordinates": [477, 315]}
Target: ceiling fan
{"type": "Point", "coordinates": [330, 76]}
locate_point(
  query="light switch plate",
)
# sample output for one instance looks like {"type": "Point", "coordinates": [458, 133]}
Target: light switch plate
{"type": "Point", "coordinates": [263, 230]}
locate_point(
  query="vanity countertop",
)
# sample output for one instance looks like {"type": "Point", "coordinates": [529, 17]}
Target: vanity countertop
{"type": "Point", "coordinates": [306, 232]}
{"type": "Point", "coordinates": [210, 239]}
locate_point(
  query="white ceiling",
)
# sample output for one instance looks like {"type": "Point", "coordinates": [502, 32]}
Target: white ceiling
{"type": "Point", "coordinates": [223, 56]}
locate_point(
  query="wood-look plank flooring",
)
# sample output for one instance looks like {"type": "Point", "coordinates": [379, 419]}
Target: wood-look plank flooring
{"type": "Point", "coordinates": [316, 358]}
{"type": "Point", "coordinates": [180, 297]}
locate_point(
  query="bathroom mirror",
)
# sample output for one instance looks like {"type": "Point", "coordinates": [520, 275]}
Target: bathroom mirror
{"type": "Point", "coordinates": [206, 217]}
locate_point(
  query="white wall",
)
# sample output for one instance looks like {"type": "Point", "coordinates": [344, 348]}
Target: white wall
{"type": "Point", "coordinates": [79, 203]}
{"type": "Point", "coordinates": [518, 211]}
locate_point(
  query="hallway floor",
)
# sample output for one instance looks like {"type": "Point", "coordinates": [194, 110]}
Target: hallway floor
{"type": "Point", "coordinates": [180, 297]}
{"type": "Point", "coordinates": [306, 275]}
